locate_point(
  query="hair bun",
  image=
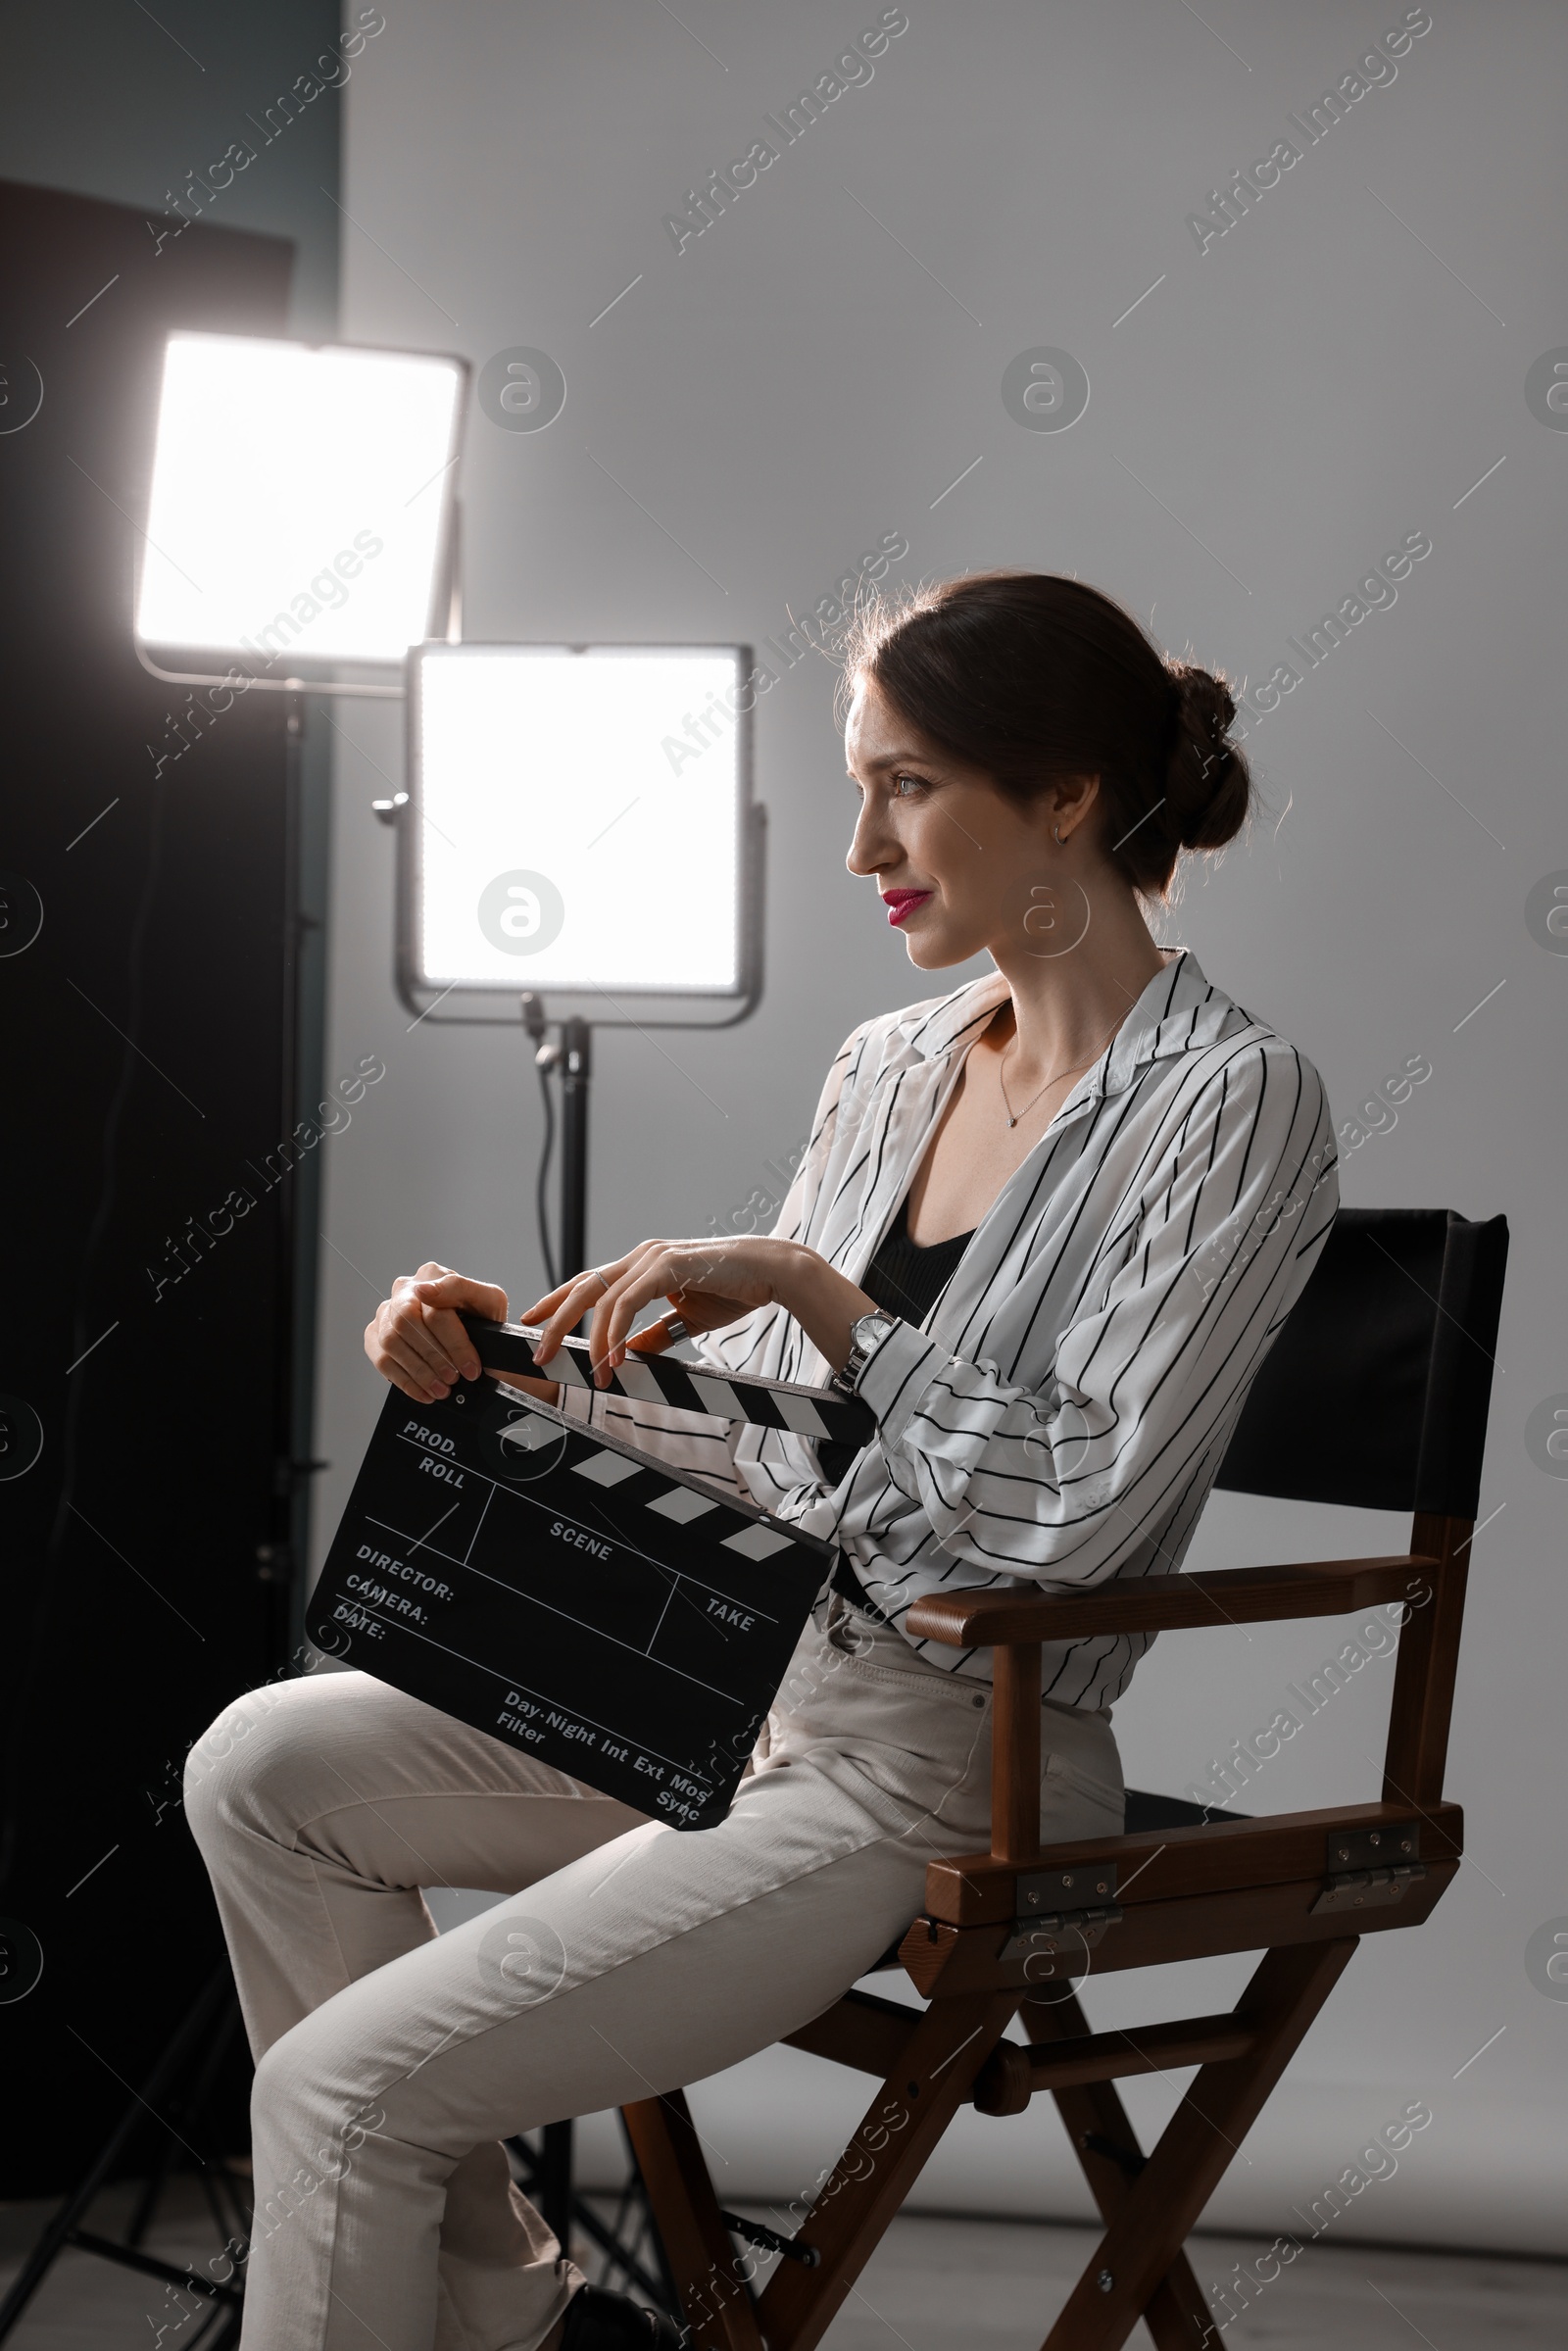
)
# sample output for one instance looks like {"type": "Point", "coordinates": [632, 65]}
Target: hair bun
{"type": "Point", "coordinates": [1206, 780]}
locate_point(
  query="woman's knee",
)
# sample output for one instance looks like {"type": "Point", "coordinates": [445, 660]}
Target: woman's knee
{"type": "Point", "coordinates": [241, 1765]}
{"type": "Point", "coordinates": [306, 2096]}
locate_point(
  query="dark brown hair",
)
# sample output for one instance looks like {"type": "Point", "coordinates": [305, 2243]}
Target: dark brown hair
{"type": "Point", "coordinates": [1029, 676]}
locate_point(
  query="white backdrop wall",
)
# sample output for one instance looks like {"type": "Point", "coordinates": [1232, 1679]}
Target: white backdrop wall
{"type": "Point", "coordinates": [1272, 411]}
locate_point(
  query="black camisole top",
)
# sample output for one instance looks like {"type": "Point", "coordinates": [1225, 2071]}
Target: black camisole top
{"type": "Point", "coordinates": [905, 1280]}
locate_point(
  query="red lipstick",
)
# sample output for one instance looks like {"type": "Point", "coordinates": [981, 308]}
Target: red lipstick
{"type": "Point", "coordinates": [902, 904]}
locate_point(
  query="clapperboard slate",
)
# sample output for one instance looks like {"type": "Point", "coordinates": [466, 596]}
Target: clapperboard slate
{"type": "Point", "coordinates": [573, 1595]}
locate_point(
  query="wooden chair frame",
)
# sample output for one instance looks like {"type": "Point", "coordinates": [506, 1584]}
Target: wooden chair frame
{"type": "Point", "coordinates": [999, 1926]}
{"type": "Point", "coordinates": [1376, 1393]}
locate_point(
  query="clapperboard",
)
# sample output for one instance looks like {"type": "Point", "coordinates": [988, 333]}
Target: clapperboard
{"type": "Point", "coordinates": [569, 1593]}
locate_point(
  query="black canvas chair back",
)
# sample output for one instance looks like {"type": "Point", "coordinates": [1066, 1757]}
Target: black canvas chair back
{"type": "Point", "coordinates": [1375, 1393]}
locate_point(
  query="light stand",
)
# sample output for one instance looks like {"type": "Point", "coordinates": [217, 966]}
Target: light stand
{"type": "Point", "coordinates": [548, 806]}
{"type": "Point", "coordinates": [571, 1059]}
{"type": "Point", "coordinates": [576, 1072]}
{"type": "Point", "coordinates": [179, 2083]}
{"type": "Point", "coordinates": [268, 455]}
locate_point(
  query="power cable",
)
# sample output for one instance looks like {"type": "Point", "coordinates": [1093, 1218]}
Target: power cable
{"type": "Point", "coordinates": [546, 1058]}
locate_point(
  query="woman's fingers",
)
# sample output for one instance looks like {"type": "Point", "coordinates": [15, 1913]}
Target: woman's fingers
{"type": "Point", "coordinates": [694, 1275]}
{"type": "Point", "coordinates": [440, 1288]}
{"type": "Point", "coordinates": [620, 1308]}
{"type": "Point", "coordinates": [573, 1301]}
{"type": "Point", "coordinates": [417, 1340]}
{"type": "Point", "coordinates": [605, 1315]}
{"type": "Point", "coordinates": [410, 1372]}
{"type": "Point", "coordinates": [545, 1307]}
{"type": "Point", "coordinates": [448, 1338]}
{"type": "Point", "coordinates": [549, 1319]}
{"type": "Point", "coordinates": [676, 1273]}
{"type": "Point", "coordinates": [654, 1341]}
{"type": "Point", "coordinates": [442, 1360]}
{"type": "Point", "coordinates": [407, 1339]}
{"type": "Point", "coordinates": [440, 1340]}
{"type": "Point", "coordinates": [396, 1332]}
{"type": "Point", "coordinates": [668, 1273]}
{"type": "Point", "coordinates": [566, 1307]}
{"type": "Point", "coordinates": [444, 1300]}
{"type": "Point", "coordinates": [549, 1304]}
{"type": "Point", "coordinates": [588, 1294]}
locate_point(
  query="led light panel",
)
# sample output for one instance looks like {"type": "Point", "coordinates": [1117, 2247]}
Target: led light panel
{"type": "Point", "coordinates": [299, 499]}
{"type": "Point", "coordinates": [576, 821]}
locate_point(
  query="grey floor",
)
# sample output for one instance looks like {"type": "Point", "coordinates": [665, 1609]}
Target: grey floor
{"type": "Point", "coordinates": [935, 2284]}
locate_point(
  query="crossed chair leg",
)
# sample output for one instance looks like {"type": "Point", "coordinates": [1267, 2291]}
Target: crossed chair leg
{"type": "Point", "coordinates": [1149, 2205]}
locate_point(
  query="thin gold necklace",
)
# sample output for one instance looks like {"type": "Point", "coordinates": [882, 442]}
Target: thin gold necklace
{"type": "Point", "coordinates": [1054, 1079]}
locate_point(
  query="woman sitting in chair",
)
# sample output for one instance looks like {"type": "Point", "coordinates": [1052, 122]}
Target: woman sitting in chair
{"type": "Point", "coordinates": [1046, 1226]}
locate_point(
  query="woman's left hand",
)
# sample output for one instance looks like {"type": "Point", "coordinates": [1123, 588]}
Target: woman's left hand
{"type": "Point", "coordinates": [709, 1283]}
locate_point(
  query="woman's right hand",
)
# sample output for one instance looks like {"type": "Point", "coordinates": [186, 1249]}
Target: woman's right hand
{"type": "Point", "coordinates": [418, 1342]}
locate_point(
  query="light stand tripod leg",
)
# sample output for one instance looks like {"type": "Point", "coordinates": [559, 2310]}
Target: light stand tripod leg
{"type": "Point", "coordinates": [65, 2226]}
{"type": "Point", "coordinates": [219, 2177]}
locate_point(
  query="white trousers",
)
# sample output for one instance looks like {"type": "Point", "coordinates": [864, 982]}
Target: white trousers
{"type": "Point", "coordinates": [631, 1958]}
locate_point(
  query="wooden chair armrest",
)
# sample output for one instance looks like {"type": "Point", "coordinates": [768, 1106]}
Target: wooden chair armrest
{"type": "Point", "coordinates": [1163, 1865]}
{"type": "Point", "coordinates": [1166, 1603]}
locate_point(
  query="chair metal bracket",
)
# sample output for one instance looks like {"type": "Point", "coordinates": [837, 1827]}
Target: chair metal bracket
{"type": "Point", "coordinates": [1367, 1890]}
{"type": "Point", "coordinates": [1374, 1848]}
{"type": "Point", "coordinates": [1047, 1947]}
{"type": "Point", "coordinates": [1045, 1891]}
{"type": "Point", "coordinates": [1369, 1868]}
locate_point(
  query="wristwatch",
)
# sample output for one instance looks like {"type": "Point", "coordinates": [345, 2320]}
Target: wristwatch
{"type": "Point", "coordinates": [867, 1335]}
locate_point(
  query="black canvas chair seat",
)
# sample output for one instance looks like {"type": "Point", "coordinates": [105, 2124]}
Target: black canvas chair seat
{"type": "Point", "coordinates": [1146, 1812]}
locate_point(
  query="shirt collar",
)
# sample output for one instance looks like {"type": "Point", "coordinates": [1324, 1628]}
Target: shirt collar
{"type": "Point", "coordinates": [1177, 1011]}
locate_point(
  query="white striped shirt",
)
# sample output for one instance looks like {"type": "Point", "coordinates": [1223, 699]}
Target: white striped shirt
{"type": "Point", "coordinates": [1060, 1416]}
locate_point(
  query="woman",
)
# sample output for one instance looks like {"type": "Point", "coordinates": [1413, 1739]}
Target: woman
{"type": "Point", "coordinates": [1047, 1227]}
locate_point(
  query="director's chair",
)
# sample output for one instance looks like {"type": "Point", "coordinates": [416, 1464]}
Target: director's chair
{"type": "Point", "coordinates": [1374, 1394]}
